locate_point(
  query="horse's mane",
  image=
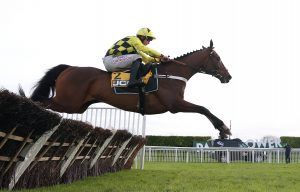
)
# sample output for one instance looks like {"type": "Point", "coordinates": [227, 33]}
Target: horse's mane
{"type": "Point", "coordinates": [187, 54]}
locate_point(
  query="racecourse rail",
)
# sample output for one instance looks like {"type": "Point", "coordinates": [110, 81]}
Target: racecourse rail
{"type": "Point", "coordinates": [225, 155]}
{"type": "Point", "coordinates": [39, 147]}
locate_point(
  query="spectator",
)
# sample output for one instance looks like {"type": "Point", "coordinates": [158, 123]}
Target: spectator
{"type": "Point", "coordinates": [287, 153]}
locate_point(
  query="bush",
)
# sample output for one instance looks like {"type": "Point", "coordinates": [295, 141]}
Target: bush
{"type": "Point", "coordinates": [294, 142]}
{"type": "Point", "coordinates": [176, 141]}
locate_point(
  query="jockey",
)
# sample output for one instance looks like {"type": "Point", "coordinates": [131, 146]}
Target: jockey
{"type": "Point", "coordinates": [130, 53]}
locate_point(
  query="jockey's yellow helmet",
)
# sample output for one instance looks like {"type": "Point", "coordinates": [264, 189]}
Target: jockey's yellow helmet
{"type": "Point", "coordinates": [146, 32]}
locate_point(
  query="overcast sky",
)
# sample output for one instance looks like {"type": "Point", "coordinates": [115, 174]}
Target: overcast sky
{"type": "Point", "coordinates": [257, 40]}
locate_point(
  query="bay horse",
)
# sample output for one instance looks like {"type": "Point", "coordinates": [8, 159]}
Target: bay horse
{"type": "Point", "coordinates": [76, 88]}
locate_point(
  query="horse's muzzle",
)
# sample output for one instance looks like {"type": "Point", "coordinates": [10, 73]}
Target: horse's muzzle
{"type": "Point", "coordinates": [225, 79]}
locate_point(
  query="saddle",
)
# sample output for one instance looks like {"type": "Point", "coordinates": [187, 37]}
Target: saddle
{"type": "Point", "coordinates": [119, 82]}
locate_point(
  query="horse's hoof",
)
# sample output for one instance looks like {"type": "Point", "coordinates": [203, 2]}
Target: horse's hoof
{"type": "Point", "coordinates": [226, 130]}
{"type": "Point", "coordinates": [222, 135]}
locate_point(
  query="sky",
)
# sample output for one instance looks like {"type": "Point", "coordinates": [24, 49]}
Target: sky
{"type": "Point", "coordinates": [257, 40]}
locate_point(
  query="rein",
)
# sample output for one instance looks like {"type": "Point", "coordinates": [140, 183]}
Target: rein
{"type": "Point", "coordinates": [166, 76]}
{"type": "Point", "coordinates": [171, 77]}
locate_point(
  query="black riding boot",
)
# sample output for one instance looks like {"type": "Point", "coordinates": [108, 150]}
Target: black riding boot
{"type": "Point", "coordinates": [135, 81]}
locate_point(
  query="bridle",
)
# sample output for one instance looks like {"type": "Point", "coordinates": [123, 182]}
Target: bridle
{"type": "Point", "coordinates": [201, 68]}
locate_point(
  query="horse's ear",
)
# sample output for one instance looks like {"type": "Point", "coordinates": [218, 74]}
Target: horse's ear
{"type": "Point", "coordinates": [211, 44]}
{"type": "Point", "coordinates": [203, 47]}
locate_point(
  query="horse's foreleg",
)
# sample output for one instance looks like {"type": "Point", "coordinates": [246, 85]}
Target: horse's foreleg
{"type": "Point", "coordinates": [184, 106]}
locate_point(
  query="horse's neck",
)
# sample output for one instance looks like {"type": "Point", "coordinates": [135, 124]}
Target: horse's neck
{"type": "Point", "coordinates": [190, 65]}
{"type": "Point", "coordinates": [175, 69]}
{"type": "Point", "coordinates": [195, 60]}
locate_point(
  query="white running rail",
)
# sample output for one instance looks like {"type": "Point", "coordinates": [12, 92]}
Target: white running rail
{"type": "Point", "coordinates": [224, 155]}
{"type": "Point", "coordinates": [111, 118]}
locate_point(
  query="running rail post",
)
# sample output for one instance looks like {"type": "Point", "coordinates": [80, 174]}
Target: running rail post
{"type": "Point", "coordinates": [143, 149]}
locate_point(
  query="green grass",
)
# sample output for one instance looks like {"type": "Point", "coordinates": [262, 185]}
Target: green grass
{"type": "Point", "coordinates": [192, 177]}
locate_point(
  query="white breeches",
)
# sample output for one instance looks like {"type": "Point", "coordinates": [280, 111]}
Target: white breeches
{"type": "Point", "coordinates": [119, 63]}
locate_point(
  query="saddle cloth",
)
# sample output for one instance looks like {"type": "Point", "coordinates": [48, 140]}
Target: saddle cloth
{"type": "Point", "coordinates": [119, 81]}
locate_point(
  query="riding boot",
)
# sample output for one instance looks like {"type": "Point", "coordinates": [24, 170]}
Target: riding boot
{"type": "Point", "coordinates": [144, 69]}
{"type": "Point", "coordinates": [135, 81]}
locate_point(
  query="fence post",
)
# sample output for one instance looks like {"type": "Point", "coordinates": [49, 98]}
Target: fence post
{"type": "Point", "coordinates": [228, 156]}
{"type": "Point", "coordinates": [278, 155]}
{"type": "Point", "coordinates": [143, 149]}
{"type": "Point", "coordinates": [187, 156]}
{"type": "Point", "coordinates": [201, 158]}
{"type": "Point", "coordinates": [149, 153]}
{"type": "Point", "coordinates": [253, 160]}
{"type": "Point", "coordinates": [176, 155]}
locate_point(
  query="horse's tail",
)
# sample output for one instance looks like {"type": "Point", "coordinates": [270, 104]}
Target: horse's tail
{"type": "Point", "coordinates": [47, 84]}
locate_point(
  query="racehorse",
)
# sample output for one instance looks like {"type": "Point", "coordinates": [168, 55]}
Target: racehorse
{"type": "Point", "coordinates": [76, 88]}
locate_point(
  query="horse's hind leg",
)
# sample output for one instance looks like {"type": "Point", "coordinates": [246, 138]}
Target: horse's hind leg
{"type": "Point", "coordinates": [62, 106]}
{"type": "Point", "coordinates": [53, 105]}
{"type": "Point", "coordinates": [85, 106]}
{"type": "Point", "coordinates": [184, 106]}
{"type": "Point", "coordinates": [70, 99]}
